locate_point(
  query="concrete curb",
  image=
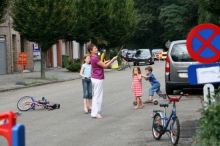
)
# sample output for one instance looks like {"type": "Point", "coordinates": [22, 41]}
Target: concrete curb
{"type": "Point", "coordinates": [50, 82]}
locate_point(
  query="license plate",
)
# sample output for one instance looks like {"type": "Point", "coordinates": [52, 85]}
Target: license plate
{"type": "Point", "coordinates": [141, 62]}
{"type": "Point", "coordinates": [183, 75]}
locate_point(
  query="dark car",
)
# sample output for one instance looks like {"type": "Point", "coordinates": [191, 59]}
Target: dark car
{"type": "Point", "coordinates": [131, 54]}
{"type": "Point", "coordinates": [143, 56]}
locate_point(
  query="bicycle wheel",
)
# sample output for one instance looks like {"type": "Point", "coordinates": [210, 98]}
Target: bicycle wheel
{"type": "Point", "coordinates": [174, 130]}
{"type": "Point", "coordinates": [24, 104]}
{"type": "Point", "coordinates": [156, 127]}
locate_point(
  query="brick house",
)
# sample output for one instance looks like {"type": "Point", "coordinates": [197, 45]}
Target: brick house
{"type": "Point", "coordinates": [12, 43]}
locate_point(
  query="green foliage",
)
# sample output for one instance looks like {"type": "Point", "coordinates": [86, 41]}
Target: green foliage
{"type": "Point", "coordinates": [121, 23]}
{"type": "Point", "coordinates": [206, 16]}
{"type": "Point", "coordinates": [210, 5]}
{"type": "Point", "coordinates": [208, 133]}
{"type": "Point", "coordinates": [3, 10]}
{"type": "Point", "coordinates": [148, 30]}
{"type": "Point", "coordinates": [74, 67]}
{"type": "Point", "coordinates": [43, 22]}
{"type": "Point", "coordinates": [178, 19]}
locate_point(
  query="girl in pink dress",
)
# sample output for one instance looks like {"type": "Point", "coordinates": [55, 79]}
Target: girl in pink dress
{"type": "Point", "coordinates": [137, 87]}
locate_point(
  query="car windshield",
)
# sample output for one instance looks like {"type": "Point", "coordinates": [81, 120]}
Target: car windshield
{"type": "Point", "coordinates": [179, 53]}
{"type": "Point", "coordinates": [142, 52]}
{"type": "Point", "coordinates": [131, 52]}
{"type": "Point", "coordinates": [157, 50]}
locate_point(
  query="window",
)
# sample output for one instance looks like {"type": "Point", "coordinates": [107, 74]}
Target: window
{"type": "Point", "coordinates": [179, 53]}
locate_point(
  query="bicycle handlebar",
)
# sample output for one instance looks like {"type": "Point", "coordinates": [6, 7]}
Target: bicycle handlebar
{"type": "Point", "coordinates": [181, 94]}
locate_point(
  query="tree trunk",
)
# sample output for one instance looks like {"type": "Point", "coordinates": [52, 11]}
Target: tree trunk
{"type": "Point", "coordinates": [81, 51]}
{"type": "Point", "coordinates": [42, 64]}
{"type": "Point", "coordinates": [107, 56]}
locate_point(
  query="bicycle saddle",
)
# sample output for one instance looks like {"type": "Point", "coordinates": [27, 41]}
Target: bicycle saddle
{"type": "Point", "coordinates": [164, 105]}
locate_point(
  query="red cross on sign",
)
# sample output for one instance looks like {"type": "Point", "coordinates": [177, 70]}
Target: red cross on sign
{"type": "Point", "coordinates": [22, 59]}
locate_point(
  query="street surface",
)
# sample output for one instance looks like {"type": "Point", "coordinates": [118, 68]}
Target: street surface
{"type": "Point", "coordinates": [121, 125]}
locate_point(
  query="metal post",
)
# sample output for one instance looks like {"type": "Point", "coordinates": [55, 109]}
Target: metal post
{"type": "Point", "coordinates": [10, 43]}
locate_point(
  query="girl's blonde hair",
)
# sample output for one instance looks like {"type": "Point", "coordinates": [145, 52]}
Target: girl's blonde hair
{"type": "Point", "coordinates": [139, 70]}
{"type": "Point", "coordinates": [83, 61]}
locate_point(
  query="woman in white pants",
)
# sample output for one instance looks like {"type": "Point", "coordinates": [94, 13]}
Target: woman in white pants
{"type": "Point", "coordinates": [97, 80]}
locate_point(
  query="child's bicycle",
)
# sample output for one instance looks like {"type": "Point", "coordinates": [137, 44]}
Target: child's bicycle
{"type": "Point", "coordinates": [27, 102]}
{"type": "Point", "coordinates": [161, 121]}
{"type": "Point", "coordinates": [155, 101]}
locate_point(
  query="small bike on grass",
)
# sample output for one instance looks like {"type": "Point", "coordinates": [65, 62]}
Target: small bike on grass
{"type": "Point", "coordinates": [161, 121]}
{"type": "Point", "coordinates": [27, 102]}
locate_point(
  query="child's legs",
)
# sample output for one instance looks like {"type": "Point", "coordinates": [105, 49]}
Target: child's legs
{"type": "Point", "coordinates": [153, 88]}
{"type": "Point", "coordinates": [159, 91]}
{"type": "Point", "coordinates": [85, 92]}
{"type": "Point", "coordinates": [138, 102]}
{"type": "Point", "coordinates": [89, 88]}
{"type": "Point", "coordinates": [141, 102]}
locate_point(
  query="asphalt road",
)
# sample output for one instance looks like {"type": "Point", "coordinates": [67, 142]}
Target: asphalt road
{"type": "Point", "coordinates": [121, 125]}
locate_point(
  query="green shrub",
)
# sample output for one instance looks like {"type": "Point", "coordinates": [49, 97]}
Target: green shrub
{"type": "Point", "coordinates": [70, 61]}
{"type": "Point", "coordinates": [74, 67]}
{"type": "Point", "coordinates": [208, 132]}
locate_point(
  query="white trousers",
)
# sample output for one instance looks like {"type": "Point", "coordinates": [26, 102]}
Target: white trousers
{"type": "Point", "coordinates": [97, 85]}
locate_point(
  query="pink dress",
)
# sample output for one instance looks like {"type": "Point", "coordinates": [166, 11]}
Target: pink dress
{"type": "Point", "coordinates": [137, 86]}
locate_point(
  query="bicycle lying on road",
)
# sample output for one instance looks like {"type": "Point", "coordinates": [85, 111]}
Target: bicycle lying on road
{"type": "Point", "coordinates": [27, 102]}
{"type": "Point", "coordinates": [161, 121]}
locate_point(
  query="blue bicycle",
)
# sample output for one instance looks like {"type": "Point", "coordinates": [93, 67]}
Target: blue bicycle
{"type": "Point", "coordinates": [163, 124]}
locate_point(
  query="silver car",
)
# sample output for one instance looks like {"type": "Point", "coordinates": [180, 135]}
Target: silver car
{"type": "Point", "coordinates": [176, 67]}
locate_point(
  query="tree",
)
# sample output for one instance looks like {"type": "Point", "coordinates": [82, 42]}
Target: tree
{"type": "Point", "coordinates": [149, 29]}
{"type": "Point", "coordinates": [3, 10]}
{"type": "Point", "coordinates": [178, 19]}
{"type": "Point", "coordinates": [121, 24]}
{"type": "Point", "coordinates": [90, 15]}
{"type": "Point", "coordinates": [44, 22]}
{"type": "Point", "coordinates": [209, 12]}
{"type": "Point", "coordinates": [211, 5]}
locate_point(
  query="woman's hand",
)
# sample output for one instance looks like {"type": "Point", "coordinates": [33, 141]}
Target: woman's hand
{"type": "Point", "coordinates": [106, 61]}
{"type": "Point", "coordinates": [114, 58]}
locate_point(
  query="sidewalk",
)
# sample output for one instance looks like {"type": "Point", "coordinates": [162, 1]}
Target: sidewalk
{"type": "Point", "coordinates": [53, 75]}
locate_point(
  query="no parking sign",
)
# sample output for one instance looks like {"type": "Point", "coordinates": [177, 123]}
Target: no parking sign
{"type": "Point", "coordinates": [203, 45]}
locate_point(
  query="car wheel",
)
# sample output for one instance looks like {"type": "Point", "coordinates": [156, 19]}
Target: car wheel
{"type": "Point", "coordinates": [152, 62]}
{"type": "Point", "coordinates": [138, 64]}
{"type": "Point", "coordinates": [169, 90]}
{"type": "Point", "coordinates": [134, 64]}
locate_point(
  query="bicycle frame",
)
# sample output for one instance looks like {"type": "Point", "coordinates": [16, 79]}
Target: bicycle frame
{"type": "Point", "coordinates": [34, 102]}
{"type": "Point", "coordinates": [166, 121]}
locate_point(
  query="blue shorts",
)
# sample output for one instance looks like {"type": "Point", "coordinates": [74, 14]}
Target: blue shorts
{"type": "Point", "coordinates": [154, 88]}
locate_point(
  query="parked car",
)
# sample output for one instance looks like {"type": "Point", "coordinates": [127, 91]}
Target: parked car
{"type": "Point", "coordinates": [143, 56]}
{"type": "Point", "coordinates": [176, 67]}
{"type": "Point", "coordinates": [131, 54]}
{"type": "Point", "coordinates": [154, 51]}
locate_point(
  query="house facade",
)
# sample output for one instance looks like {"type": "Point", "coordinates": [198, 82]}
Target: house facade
{"type": "Point", "coordinates": [12, 44]}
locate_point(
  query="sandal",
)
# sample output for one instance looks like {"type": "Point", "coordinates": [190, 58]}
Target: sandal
{"type": "Point", "coordinates": [86, 111]}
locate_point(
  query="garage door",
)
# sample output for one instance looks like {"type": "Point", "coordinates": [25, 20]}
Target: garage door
{"type": "Point", "coordinates": [2, 56]}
